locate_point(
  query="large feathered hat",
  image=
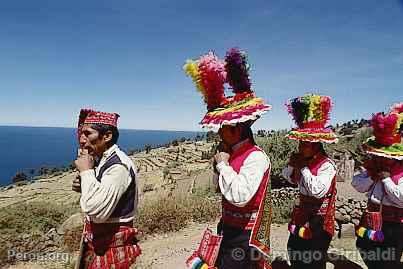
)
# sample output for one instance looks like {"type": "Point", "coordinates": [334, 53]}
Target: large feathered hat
{"type": "Point", "coordinates": [311, 114]}
{"type": "Point", "coordinates": [210, 74]}
{"type": "Point", "coordinates": [387, 131]}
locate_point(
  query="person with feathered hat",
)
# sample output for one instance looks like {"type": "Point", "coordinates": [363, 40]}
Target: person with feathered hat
{"type": "Point", "coordinates": [312, 223]}
{"type": "Point", "coordinates": [242, 168]}
{"type": "Point", "coordinates": [109, 197]}
{"type": "Point", "coordinates": [380, 232]}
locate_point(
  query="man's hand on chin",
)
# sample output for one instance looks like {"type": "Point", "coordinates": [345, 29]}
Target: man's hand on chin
{"type": "Point", "coordinates": [84, 162]}
{"type": "Point", "coordinates": [76, 186]}
{"type": "Point", "coordinates": [222, 157]}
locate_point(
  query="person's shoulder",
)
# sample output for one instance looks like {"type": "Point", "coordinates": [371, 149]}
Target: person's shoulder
{"type": "Point", "coordinates": [124, 158]}
{"type": "Point", "coordinates": [328, 164]}
{"type": "Point", "coordinates": [259, 155]}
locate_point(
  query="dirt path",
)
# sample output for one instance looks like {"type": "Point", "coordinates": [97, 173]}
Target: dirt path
{"type": "Point", "coordinates": [170, 251]}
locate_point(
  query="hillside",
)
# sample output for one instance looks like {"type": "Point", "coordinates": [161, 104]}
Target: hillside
{"type": "Point", "coordinates": [46, 211]}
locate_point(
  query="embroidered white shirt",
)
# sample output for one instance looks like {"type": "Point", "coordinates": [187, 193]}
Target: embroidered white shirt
{"type": "Point", "coordinates": [239, 188]}
{"type": "Point", "coordinates": [99, 199]}
{"type": "Point", "coordinates": [391, 193]}
{"type": "Point", "coordinates": [310, 185]}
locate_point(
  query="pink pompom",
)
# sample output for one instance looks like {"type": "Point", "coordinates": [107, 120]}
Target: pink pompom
{"type": "Point", "coordinates": [397, 108]}
{"type": "Point", "coordinates": [212, 76]}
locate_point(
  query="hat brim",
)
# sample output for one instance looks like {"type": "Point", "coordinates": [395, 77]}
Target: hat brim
{"type": "Point", "coordinates": [313, 135]}
{"type": "Point", "coordinates": [237, 112]}
{"type": "Point", "coordinates": [394, 151]}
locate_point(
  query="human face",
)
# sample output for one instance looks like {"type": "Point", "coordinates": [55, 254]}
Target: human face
{"type": "Point", "coordinates": [308, 149]}
{"type": "Point", "coordinates": [91, 140]}
{"type": "Point", "coordinates": [230, 135]}
{"type": "Point", "coordinates": [383, 163]}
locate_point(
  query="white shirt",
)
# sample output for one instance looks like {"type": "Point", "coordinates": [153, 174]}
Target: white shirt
{"type": "Point", "coordinates": [239, 188]}
{"type": "Point", "coordinates": [99, 199]}
{"type": "Point", "coordinates": [317, 186]}
{"type": "Point", "coordinates": [392, 196]}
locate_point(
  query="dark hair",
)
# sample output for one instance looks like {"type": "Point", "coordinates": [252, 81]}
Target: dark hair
{"type": "Point", "coordinates": [321, 148]}
{"type": "Point", "coordinates": [104, 128]}
{"type": "Point", "coordinates": [247, 132]}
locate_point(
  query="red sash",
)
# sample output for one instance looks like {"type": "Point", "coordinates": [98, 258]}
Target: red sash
{"type": "Point", "coordinates": [111, 245]}
{"type": "Point", "coordinates": [389, 213]}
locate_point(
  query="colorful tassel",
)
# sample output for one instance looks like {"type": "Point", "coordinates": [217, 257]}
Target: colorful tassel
{"type": "Point", "coordinates": [376, 236]}
{"type": "Point", "coordinates": [204, 266]}
{"type": "Point", "coordinates": [237, 67]}
{"type": "Point", "coordinates": [209, 75]}
{"type": "Point", "coordinates": [301, 232]}
{"type": "Point", "coordinates": [291, 228]}
{"type": "Point", "coordinates": [191, 69]}
{"type": "Point", "coordinates": [213, 76]}
{"type": "Point", "coordinates": [310, 111]}
{"type": "Point", "coordinates": [368, 233]}
{"type": "Point", "coordinates": [397, 108]}
{"type": "Point", "coordinates": [196, 263]}
{"type": "Point", "coordinates": [386, 128]}
{"type": "Point", "coordinates": [361, 232]}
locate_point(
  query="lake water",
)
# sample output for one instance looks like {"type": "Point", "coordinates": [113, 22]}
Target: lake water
{"type": "Point", "coordinates": [27, 148]}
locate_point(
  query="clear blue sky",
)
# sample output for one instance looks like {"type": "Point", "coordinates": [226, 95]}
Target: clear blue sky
{"type": "Point", "coordinates": [126, 56]}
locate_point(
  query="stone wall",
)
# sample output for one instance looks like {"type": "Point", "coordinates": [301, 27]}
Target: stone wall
{"type": "Point", "coordinates": [348, 210]}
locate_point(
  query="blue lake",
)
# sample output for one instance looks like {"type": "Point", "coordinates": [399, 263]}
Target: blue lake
{"type": "Point", "coordinates": [26, 148]}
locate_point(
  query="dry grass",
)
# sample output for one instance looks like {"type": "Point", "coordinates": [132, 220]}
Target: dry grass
{"type": "Point", "coordinates": [23, 225]}
{"type": "Point", "coordinates": [160, 215]}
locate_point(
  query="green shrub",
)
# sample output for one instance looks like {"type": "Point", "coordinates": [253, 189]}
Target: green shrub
{"type": "Point", "coordinates": [279, 149]}
{"type": "Point", "coordinates": [352, 145]}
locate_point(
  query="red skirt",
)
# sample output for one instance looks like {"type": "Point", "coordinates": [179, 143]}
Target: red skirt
{"type": "Point", "coordinates": [110, 246]}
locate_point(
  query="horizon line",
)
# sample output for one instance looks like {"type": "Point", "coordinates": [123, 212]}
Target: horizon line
{"type": "Point", "coordinates": [128, 129]}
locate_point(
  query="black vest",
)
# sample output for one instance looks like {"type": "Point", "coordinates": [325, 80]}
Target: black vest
{"type": "Point", "coordinates": [126, 202]}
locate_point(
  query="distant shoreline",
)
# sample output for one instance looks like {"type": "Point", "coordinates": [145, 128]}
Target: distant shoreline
{"type": "Point", "coordinates": [34, 147]}
{"type": "Point", "coordinates": [121, 129]}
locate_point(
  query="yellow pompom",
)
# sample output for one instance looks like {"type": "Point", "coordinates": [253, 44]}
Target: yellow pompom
{"type": "Point", "coordinates": [361, 231]}
{"type": "Point", "coordinates": [301, 232]}
{"type": "Point", "coordinates": [399, 121]}
{"type": "Point", "coordinates": [204, 266]}
{"type": "Point", "coordinates": [191, 69]}
{"type": "Point", "coordinates": [315, 111]}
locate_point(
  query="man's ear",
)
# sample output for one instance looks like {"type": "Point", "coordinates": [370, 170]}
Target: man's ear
{"type": "Point", "coordinates": [107, 136]}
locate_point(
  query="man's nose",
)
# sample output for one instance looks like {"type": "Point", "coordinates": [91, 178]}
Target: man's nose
{"type": "Point", "coordinates": [83, 140]}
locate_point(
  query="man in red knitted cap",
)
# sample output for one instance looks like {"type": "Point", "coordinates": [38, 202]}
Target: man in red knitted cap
{"type": "Point", "coordinates": [109, 197]}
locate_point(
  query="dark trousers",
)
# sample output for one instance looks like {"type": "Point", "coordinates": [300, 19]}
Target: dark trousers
{"type": "Point", "coordinates": [310, 253]}
{"type": "Point", "coordinates": [383, 255]}
{"type": "Point", "coordinates": [235, 252]}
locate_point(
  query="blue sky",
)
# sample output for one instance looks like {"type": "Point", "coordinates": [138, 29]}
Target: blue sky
{"type": "Point", "coordinates": [126, 57]}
